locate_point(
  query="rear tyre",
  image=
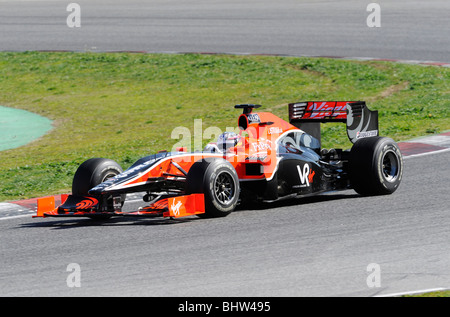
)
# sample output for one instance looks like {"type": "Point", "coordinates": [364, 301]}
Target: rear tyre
{"type": "Point", "coordinates": [92, 173]}
{"type": "Point", "coordinates": [219, 183]}
{"type": "Point", "coordinates": [376, 166]}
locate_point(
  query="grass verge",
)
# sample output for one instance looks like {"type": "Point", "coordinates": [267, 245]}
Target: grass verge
{"type": "Point", "coordinates": [124, 106]}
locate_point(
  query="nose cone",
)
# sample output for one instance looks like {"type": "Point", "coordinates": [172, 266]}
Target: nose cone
{"type": "Point", "coordinates": [103, 187]}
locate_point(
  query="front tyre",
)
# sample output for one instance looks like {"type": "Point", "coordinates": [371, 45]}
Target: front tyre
{"type": "Point", "coordinates": [219, 183]}
{"type": "Point", "coordinates": [92, 173]}
{"type": "Point", "coordinates": [376, 166]}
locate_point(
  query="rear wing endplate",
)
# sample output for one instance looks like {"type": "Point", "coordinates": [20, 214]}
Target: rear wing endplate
{"type": "Point", "coordinates": [361, 122]}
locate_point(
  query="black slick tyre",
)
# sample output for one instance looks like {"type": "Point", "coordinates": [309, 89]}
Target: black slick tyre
{"type": "Point", "coordinates": [376, 166]}
{"type": "Point", "coordinates": [219, 182]}
{"type": "Point", "coordinates": [92, 173]}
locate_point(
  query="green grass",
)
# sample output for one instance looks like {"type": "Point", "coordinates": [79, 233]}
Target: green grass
{"type": "Point", "coordinates": [124, 106]}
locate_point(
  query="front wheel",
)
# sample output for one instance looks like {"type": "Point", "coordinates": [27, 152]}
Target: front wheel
{"type": "Point", "coordinates": [219, 183]}
{"type": "Point", "coordinates": [376, 166]}
{"type": "Point", "coordinates": [92, 173]}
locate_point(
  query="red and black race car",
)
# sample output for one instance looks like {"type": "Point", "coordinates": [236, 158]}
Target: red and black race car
{"type": "Point", "coordinates": [270, 159]}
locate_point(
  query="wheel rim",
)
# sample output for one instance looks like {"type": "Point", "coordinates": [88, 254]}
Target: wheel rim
{"type": "Point", "coordinates": [108, 176]}
{"type": "Point", "coordinates": [224, 188]}
{"type": "Point", "coordinates": [390, 166]}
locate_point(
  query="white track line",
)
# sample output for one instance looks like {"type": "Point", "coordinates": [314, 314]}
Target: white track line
{"type": "Point", "coordinates": [413, 292]}
{"type": "Point", "coordinates": [426, 153]}
{"type": "Point", "coordinates": [15, 217]}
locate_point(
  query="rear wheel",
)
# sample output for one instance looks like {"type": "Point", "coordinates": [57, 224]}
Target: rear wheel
{"type": "Point", "coordinates": [376, 166]}
{"type": "Point", "coordinates": [219, 183]}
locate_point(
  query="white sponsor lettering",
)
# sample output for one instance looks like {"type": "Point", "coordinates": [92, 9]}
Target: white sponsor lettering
{"type": "Point", "coordinates": [260, 146]}
{"type": "Point", "coordinates": [273, 130]}
{"type": "Point", "coordinates": [253, 117]}
{"type": "Point", "coordinates": [366, 134]}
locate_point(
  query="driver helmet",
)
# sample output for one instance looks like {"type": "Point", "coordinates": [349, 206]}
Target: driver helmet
{"type": "Point", "coordinates": [227, 140]}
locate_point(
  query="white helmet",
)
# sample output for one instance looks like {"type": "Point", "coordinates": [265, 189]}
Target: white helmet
{"type": "Point", "coordinates": [227, 140]}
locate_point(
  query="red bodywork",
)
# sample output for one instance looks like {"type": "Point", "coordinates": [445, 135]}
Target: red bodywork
{"type": "Point", "coordinates": [254, 158]}
{"type": "Point", "coordinates": [257, 146]}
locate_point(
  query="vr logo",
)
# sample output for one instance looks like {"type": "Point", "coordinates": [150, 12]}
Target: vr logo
{"type": "Point", "coordinates": [304, 175]}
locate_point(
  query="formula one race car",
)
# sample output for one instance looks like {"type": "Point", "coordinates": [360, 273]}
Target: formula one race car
{"type": "Point", "coordinates": [270, 159]}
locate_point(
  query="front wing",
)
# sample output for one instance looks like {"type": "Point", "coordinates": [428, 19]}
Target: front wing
{"type": "Point", "coordinates": [75, 206]}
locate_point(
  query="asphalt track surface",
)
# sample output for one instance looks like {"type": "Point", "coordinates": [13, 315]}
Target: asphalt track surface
{"type": "Point", "coordinates": [410, 29]}
{"type": "Point", "coordinates": [319, 246]}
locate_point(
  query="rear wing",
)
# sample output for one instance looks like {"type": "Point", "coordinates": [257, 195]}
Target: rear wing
{"type": "Point", "coordinates": [361, 122]}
